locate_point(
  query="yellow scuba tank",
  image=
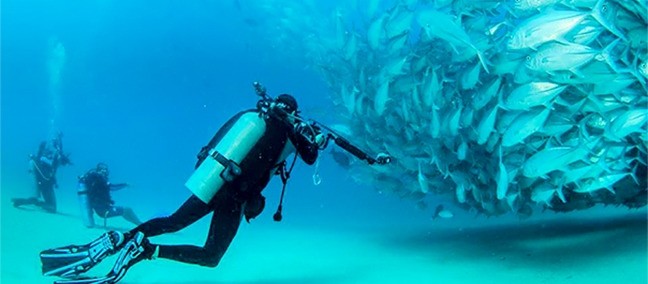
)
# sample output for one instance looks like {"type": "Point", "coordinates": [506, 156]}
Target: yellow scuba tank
{"type": "Point", "coordinates": [222, 162]}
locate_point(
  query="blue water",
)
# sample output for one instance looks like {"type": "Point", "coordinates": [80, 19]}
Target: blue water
{"type": "Point", "coordinates": [143, 88]}
{"type": "Point", "coordinates": [147, 83]}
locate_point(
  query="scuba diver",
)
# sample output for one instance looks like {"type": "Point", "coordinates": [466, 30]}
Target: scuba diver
{"type": "Point", "coordinates": [94, 194]}
{"type": "Point", "coordinates": [44, 165]}
{"type": "Point", "coordinates": [231, 172]}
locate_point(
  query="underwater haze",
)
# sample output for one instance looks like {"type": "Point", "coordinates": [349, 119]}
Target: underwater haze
{"type": "Point", "coordinates": [143, 85]}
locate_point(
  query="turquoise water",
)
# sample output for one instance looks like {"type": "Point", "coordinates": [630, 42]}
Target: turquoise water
{"type": "Point", "coordinates": [143, 86]}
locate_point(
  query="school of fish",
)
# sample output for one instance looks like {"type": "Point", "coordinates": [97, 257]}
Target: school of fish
{"type": "Point", "coordinates": [499, 106]}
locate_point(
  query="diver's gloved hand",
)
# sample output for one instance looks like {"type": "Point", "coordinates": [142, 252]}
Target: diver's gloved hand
{"type": "Point", "coordinates": [306, 130]}
{"type": "Point", "coordinates": [277, 111]}
{"type": "Point", "coordinates": [320, 140]}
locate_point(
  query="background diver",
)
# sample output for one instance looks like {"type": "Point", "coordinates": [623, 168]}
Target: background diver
{"type": "Point", "coordinates": [94, 195]}
{"type": "Point", "coordinates": [232, 170]}
{"type": "Point", "coordinates": [43, 166]}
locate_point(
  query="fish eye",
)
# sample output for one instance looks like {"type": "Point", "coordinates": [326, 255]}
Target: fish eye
{"type": "Point", "coordinates": [528, 58]}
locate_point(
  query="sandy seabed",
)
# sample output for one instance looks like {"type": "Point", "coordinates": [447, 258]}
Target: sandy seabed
{"type": "Point", "coordinates": [572, 248]}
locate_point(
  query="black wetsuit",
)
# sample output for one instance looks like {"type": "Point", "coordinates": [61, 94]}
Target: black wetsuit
{"type": "Point", "coordinates": [98, 189]}
{"type": "Point", "coordinates": [44, 166]}
{"type": "Point", "coordinates": [241, 197]}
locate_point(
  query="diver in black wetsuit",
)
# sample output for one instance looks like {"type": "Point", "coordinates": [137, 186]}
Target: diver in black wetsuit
{"type": "Point", "coordinates": [232, 170]}
{"type": "Point", "coordinates": [240, 196]}
{"type": "Point", "coordinates": [44, 165]}
{"type": "Point", "coordinates": [94, 194]}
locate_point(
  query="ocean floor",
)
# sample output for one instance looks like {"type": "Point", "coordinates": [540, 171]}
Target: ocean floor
{"type": "Point", "coordinates": [567, 248]}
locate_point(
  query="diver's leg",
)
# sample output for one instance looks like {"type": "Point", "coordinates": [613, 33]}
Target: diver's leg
{"type": "Point", "coordinates": [49, 198]}
{"type": "Point", "coordinates": [224, 225]}
{"type": "Point", "coordinates": [191, 211]}
{"type": "Point", "coordinates": [126, 212]}
{"type": "Point", "coordinates": [129, 215]}
{"type": "Point", "coordinates": [17, 202]}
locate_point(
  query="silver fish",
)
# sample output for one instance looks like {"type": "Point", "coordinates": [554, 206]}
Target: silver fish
{"type": "Point", "coordinates": [524, 126]}
{"type": "Point", "coordinates": [547, 26]}
{"type": "Point", "coordinates": [502, 178]}
{"type": "Point", "coordinates": [566, 57]}
{"type": "Point", "coordinates": [441, 212]}
{"type": "Point", "coordinates": [603, 182]}
{"type": "Point", "coordinates": [554, 158]}
{"type": "Point", "coordinates": [543, 194]}
{"type": "Point", "coordinates": [422, 180]}
{"type": "Point", "coordinates": [487, 93]}
{"type": "Point", "coordinates": [486, 126]}
{"type": "Point", "coordinates": [552, 25]}
{"type": "Point", "coordinates": [443, 26]}
{"type": "Point", "coordinates": [382, 96]}
{"type": "Point", "coordinates": [631, 121]}
{"type": "Point", "coordinates": [532, 94]}
{"type": "Point", "coordinates": [376, 32]}
{"type": "Point", "coordinates": [530, 5]}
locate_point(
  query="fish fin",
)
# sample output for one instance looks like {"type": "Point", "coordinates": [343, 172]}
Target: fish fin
{"type": "Point", "coordinates": [563, 41]}
{"type": "Point", "coordinates": [595, 101]}
{"type": "Point", "coordinates": [454, 48]}
{"type": "Point", "coordinates": [611, 189]}
{"type": "Point", "coordinates": [561, 194]}
{"type": "Point", "coordinates": [576, 72]}
{"type": "Point", "coordinates": [511, 11]}
{"type": "Point", "coordinates": [482, 60]}
{"type": "Point", "coordinates": [500, 102]}
{"type": "Point", "coordinates": [633, 173]}
{"type": "Point", "coordinates": [601, 163]}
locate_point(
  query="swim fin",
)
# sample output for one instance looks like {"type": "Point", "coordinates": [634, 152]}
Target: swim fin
{"type": "Point", "coordinates": [127, 256]}
{"type": "Point", "coordinates": [70, 261]}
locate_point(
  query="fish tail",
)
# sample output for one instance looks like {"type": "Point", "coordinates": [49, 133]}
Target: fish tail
{"type": "Point", "coordinates": [601, 162]}
{"type": "Point", "coordinates": [606, 55]}
{"type": "Point", "coordinates": [582, 133]}
{"type": "Point", "coordinates": [482, 60]}
{"type": "Point", "coordinates": [500, 154]}
{"type": "Point", "coordinates": [633, 174]}
{"type": "Point", "coordinates": [584, 141]}
{"type": "Point", "coordinates": [500, 101]}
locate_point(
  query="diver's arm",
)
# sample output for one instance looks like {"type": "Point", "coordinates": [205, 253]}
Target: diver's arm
{"type": "Point", "coordinates": [306, 149]}
{"type": "Point", "coordinates": [46, 161]}
{"type": "Point", "coordinates": [117, 186]}
{"type": "Point", "coordinates": [41, 149]}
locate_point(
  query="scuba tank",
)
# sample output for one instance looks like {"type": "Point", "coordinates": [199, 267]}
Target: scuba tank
{"type": "Point", "coordinates": [84, 204]}
{"type": "Point", "coordinates": [222, 162]}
